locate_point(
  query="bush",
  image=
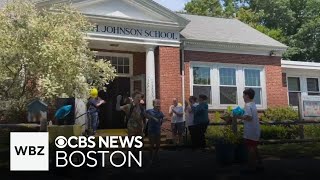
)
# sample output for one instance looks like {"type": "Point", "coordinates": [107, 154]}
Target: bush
{"type": "Point", "coordinates": [312, 131]}
{"type": "Point", "coordinates": [279, 132]}
{"type": "Point", "coordinates": [280, 114]}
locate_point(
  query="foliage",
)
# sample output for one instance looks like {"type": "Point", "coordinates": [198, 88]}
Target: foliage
{"type": "Point", "coordinates": [292, 22]}
{"type": "Point", "coordinates": [311, 131]}
{"type": "Point", "coordinates": [223, 135]}
{"type": "Point", "coordinates": [280, 114]}
{"type": "Point", "coordinates": [44, 54]}
{"type": "Point", "coordinates": [279, 132]}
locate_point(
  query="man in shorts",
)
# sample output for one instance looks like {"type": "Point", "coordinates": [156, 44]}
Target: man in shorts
{"type": "Point", "coordinates": [177, 121]}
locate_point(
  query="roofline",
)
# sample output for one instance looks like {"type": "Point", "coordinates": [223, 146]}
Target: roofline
{"type": "Point", "coordinates": [236, 48]}
{"type": "Point", "coordinates": [299, 65]}
{"type": "Point", "coordinates": [181, 21]}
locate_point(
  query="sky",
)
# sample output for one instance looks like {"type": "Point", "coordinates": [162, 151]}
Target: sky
{"type": "Point", "coordinates": [174, 5]}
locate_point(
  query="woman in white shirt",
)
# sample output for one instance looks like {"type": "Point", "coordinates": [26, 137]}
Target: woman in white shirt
{"type": "Point", "coordinates": [189, 118]}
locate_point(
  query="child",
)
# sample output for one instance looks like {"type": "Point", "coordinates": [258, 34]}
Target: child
{"type": "Point", "coordinates": [155, 119]}
{"type": "Point", "coordinates": [251, 132]}
{"type": "Point", "coordinates": [94, 103]}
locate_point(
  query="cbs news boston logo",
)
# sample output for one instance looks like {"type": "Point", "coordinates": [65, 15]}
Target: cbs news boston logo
{"type": "Point", "coordinates": [30, 151]}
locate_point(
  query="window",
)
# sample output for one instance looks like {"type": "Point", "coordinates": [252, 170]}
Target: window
{"type": "Point", "coordinates": [313, 86]}
{"type": "Point", "coordinates": [294, 90]}
{"type": "Point", "coordinates": [224, 84]}
{"type": "Point", "coordinates": [201, 82]}
{"type": "Point", "coordinates": [253, 80]}
{"type": "Point", "coordinates": [121, 62]}
{"type": "Point", "coordinates": [228, 86]}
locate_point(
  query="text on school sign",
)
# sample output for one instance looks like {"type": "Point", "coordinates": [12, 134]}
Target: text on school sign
{"type": "Point", "coordinates": [311, 106]}
{"type": "Point", "coordinates": [136, 32]}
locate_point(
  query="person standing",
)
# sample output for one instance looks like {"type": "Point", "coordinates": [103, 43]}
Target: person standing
{"type": "Point", "coordinates": [155, 120]}
{"type": "Point", "coordinates": [251, 131]}
{"type": "Point", "coordinates": [177, 121]}
{"type": "Point", "coordinates": [201, 121]}
{"type": "Point", "coordinates": [135, 114]}
{"type": "Point", "coordinates": [189, 115]}
{"type": "Point", "coordinates": [94, 103]}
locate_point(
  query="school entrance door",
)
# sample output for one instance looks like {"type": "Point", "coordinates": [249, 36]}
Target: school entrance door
{"type": "Point", "coordinates": [110, 118]}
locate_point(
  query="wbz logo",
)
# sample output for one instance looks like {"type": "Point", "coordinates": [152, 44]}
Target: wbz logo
{"type": "Point", "coordinates": [29, 151]}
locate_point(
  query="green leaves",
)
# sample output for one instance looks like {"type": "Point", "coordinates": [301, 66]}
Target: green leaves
{"type": "Point", "coordinates": [44, 54]}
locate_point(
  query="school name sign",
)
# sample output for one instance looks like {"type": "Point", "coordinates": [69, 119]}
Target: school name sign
{"type": "Point", "coordinates": [136, 32]}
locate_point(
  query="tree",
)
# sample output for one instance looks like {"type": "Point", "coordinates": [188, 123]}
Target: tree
{"type": "Point", "coordinates": [288, 21]}
{"type": "Point", "coordinates": [44, 54]}
{"type": "Point", "coordinates": [306, 43]}
{"type": "Point", "coordinates": [204, 8]}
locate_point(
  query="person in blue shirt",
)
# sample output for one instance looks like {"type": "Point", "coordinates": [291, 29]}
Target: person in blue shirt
{"type": "Point", "coordinates": [93, 109]}
{"type": "Point", "coordinates": [155, 119]}
{"type": "Point", "coordinates": [201, 121]}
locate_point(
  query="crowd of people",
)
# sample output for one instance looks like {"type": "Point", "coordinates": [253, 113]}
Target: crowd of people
{"type": "Point", "coordinates": [142, 122]}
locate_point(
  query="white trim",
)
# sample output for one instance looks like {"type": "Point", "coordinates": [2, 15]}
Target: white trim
{"type": "Point", "coordinates": [240, 83]}
{"type": "Point", "coordinates": [234, 48]}
{"type": "Point", "coordinates": [300, 65]}
{"type": "Point", "coordinates": [112, 54]}
{"type": "Point", "coordinates": [131, 40]}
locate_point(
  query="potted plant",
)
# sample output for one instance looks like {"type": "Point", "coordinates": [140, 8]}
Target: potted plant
{"type": "Point", "coordinates": [225, 146]}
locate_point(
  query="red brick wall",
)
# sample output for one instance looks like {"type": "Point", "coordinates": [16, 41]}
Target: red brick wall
{"type": "Point", "coordinates": [168, 76]}
{"type": "Point", "coordinates": [276, 88]}
{"type": "Point", "coordinates": [277, 93]}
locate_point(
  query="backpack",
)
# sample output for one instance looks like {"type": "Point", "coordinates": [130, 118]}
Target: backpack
{"type": "Point", "coordinates": [142, 111]}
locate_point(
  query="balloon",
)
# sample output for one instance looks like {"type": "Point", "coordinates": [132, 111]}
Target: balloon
{"type": "Point", "coordinates": [238, 111]}
{"type": "Point", "coordinates": [94, 92]}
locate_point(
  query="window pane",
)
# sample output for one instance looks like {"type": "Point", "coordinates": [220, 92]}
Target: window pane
{"type": "Point", "coordinates": [294, 84]}
{"type": "Point", "coordinates": [126, 61]}
{"type": "Point", "coordinates": [228, 95]}
{"type": "Point", "coordinates": [294, 98]}
{"type": "Point", "coordinates": [206, 90]}
{"type": "Point", "coordinates": [114, 61]}
{"type": "Point", "coordinates": [227, 76]}
{"type": "Point", "coordinates": [313, 84]}
{"type": "Point", "coordinates": [201, 75]}
{"type": "Point", "coordinates": [257, 95]}
{"type": "Point", "coordinates": [252, 77]}
{"type": "Point", "coordinates": [126, 69]}
{"type": "Point", "coordinates": [120, 69]}
{"type": "Point", "coordinates": [120, 61]}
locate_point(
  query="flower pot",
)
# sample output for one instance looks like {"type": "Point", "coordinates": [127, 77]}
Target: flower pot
{"type": "Point", "coordinates": [241, 153]}
{"type": "Point", "coordinates": [64, 130]}
{"type": "Point", "coordinates": [225, 153]}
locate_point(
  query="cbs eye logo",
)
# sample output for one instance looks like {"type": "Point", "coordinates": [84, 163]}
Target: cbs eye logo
{"type": "Point", "coordinates": [61, 142]}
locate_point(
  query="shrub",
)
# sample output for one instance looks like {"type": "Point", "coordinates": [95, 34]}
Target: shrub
{"type": "Point", "coordinates": [312, 131]}
{"type": "Point", "coordinates": [279, 132]}
{"type": "Point", "coordinates": [280, 114]}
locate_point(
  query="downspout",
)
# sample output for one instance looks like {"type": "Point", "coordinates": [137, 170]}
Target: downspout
{"type": "Point", "coordinates": [182, 77]}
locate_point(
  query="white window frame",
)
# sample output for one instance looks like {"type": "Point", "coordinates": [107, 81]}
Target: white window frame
{"type": "Point", "coordinates": [240, 83]}
{"type": "Point", "coordinates": [261, 85]}
{"type": "Point", "coordinates": [289, 91]}
{"type": "Point", "coordinates": [124, 55]}
{"type": "Point", "coordinates": [206, 85]}
{"type": "Point", "coordinates": [303, 82]}
{"type": "Point", "coordinates": [219, 83]}
{"type": "Point", "coordinates": [307, 85]}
